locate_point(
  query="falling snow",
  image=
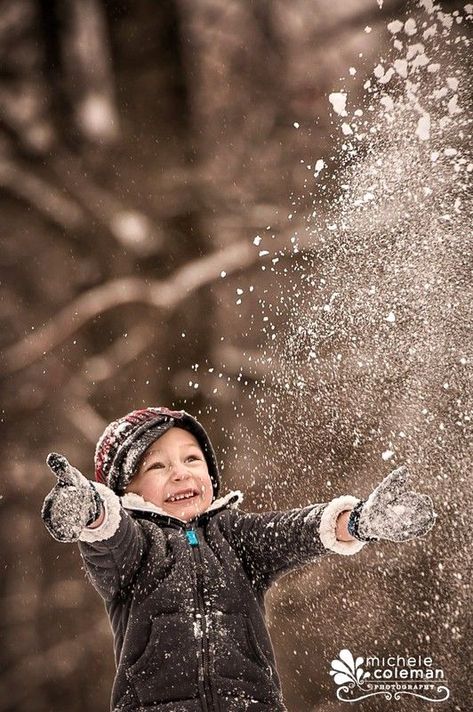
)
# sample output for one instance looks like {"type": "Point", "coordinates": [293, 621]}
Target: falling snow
{"type": "Point", "coordinates": [372, 367]}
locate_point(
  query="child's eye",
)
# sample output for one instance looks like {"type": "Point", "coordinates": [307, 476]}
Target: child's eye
{"type": "Point", "coordinates": [156, 465]}
{"type": "Point", "coordinates": [193, 457]}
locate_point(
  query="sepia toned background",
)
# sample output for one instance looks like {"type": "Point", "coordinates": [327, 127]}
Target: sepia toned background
{"type": "Point", "coordinates": [164, 243]}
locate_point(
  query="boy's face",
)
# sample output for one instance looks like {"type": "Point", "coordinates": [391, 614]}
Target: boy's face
{"type": "Point", "coordinates": [174, 465]}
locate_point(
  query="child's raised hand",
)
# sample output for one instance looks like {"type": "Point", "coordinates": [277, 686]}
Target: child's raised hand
{"type": "Point", "coordinates": [392, 511]}
{"type": "Point", "coordinates": [72, 504]}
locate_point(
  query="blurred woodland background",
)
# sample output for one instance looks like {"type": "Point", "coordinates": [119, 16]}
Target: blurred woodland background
{"type": "Point", "coordinates": [146, 149]}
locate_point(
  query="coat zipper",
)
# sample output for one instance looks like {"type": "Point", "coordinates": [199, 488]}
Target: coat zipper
{"type": "Point", "coordinates": [192, 538]}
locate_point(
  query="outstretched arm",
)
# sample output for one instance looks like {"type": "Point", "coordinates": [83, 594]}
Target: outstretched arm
{"type": "Point", "coordinates": [111, 542]}
{"type": "Point", "coordinates": [271, 544]}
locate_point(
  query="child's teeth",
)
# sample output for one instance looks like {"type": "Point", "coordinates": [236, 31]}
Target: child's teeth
{"type": "Point", "coordinates": [181, 496]}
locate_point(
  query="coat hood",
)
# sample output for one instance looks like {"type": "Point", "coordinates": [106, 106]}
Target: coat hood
{"type": "Point", "coordinates": [124, 441]}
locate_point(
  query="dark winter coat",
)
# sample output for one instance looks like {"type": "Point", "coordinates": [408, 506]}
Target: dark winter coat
{"type": "Point", "coordinates": [186, 601]}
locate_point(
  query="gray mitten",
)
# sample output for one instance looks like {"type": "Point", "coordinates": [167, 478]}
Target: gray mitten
{"type": "Point", "coordinates": [392, 512]}
{"type": "Point", "coordinates": [72, 504]}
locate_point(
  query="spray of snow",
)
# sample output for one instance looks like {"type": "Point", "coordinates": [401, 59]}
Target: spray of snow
{"type": "Point", "coordinates": [378, 312]}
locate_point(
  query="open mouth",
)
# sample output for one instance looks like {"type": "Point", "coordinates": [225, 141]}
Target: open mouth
{"type": "Point", "coordinates": [185, 495]}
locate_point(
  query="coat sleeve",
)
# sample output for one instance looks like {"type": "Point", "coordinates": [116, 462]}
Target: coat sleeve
{"type": "Point", "coordinates": [271, 544]}
{"type": "Point", "coordinates": [112, 552]}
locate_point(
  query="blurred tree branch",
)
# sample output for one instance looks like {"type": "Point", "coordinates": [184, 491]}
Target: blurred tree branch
{"type": "Point", "coordinates": [164, 295]}
{"type": "Point", "coordinates": [132, 229]}
{"type": "Point", "coordinates": [22, 182]}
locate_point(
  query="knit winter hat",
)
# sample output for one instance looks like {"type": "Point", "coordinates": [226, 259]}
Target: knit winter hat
{"type": "Point", "coordinates": [124, 441]}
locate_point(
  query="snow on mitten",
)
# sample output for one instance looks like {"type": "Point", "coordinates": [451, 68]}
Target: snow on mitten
{"type": "Point", "coordinates": [392, 512]}
{"type": "Point", "coordinates": [72, 504]}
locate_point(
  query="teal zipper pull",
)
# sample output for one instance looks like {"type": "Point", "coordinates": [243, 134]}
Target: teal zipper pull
{"type": "Point", "coordinates": [192, 537]}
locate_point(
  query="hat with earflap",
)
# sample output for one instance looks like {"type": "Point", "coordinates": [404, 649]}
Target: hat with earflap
{"type": "Point", "coordinates": [124, 441]}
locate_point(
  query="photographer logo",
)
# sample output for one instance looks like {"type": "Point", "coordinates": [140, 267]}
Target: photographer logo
{"type": "Point", "coordinates": [390, 676]}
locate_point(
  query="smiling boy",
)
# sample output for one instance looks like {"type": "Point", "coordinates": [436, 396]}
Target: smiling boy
{"type": "Point", "coordinates": [184, 573]}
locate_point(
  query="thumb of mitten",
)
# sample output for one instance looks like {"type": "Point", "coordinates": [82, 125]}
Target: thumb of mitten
{"type": "Point", "coordinates": [63, 470]}
{"type": "Point", "coordinates": [72, 503]}
{"type": "Point", "coordinates": [390, 488]}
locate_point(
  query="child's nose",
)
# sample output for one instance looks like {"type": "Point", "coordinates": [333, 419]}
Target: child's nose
{"type": "Point", "coordinates": [179, 472]}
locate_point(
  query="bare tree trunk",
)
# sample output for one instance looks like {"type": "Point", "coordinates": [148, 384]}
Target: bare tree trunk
{"type": "Point", "coordinates": [87, 69]}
